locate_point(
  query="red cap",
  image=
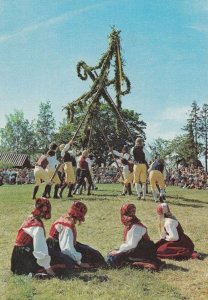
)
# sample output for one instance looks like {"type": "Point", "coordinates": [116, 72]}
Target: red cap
{"type": "Point", "coordinates": [78, 210]}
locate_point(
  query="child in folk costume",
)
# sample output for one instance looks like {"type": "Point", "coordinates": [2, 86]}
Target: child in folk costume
{"type": "Point", "coordinates": [69, 163]}
{"type": "Point", "coordinates": [30, 253]}
{"type": "Point", "coordinates": [41, 175]}
{"type": "Point", "coordinates": [137, 249]}
{"type": "Point", "coordinates": [127, 175]}
{"type": "Point", "coordinates": [63, 245]}
{"type": "Point", "coordinates": [156, 177]}
{"type": "Point", "coordinates": [174, 243]}
{"type": "Point", "coordinates": [140, 167]}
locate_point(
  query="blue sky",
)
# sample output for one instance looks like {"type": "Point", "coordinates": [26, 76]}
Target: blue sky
{"type": "Point", "coordinates": [164, 44]}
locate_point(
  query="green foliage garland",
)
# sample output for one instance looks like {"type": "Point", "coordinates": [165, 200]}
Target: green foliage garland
{"type": "Point", "coordinates": [99, 75]}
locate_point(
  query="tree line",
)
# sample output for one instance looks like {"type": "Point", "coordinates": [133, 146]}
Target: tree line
{"type": "Point", "coordinates": [33, 137]}
{"type": "Point", "coordinates": [192, 144]}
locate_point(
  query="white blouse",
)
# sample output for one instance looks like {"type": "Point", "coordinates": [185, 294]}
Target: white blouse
{"type": "Point", "coordinates": [66, 243]}
{"type": "Point", "coordinates": [40, 248]}
{"type": "Point", "coordinates": [170, 233]}
{"type": "Point", "coordinates": [133, 237]}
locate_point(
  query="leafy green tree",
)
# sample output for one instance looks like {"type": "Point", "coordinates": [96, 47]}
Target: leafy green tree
{"type": "Point", "coordinates": [204, 131]}
{"type": "Point", "coordinates": [18, 135]}
{"type": "Point", "coordinates": [45, 126]}
{"type": "Point", "coordinates": [90, 135]}
{"type": "Point", "coordinates": [160, 148]}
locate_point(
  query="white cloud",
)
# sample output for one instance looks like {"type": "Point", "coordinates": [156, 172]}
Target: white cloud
{"type": "Point", "coordinates": [157, 129]}
{"type": "Point", "coordinates": [179, 113]}
{"type": "Point", "coordinates": [200, 27]}
{"type": "Point", "coordinates": [46, 23]}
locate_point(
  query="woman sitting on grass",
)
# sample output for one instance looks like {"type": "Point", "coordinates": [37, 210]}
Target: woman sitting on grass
{"type": "Point", "coordinates": [62, 243]}
{"type": "Point", "coordinates": [174, 243]}
{"type": "Point", "coordinates": [30, 253]}
{"type": "Point", "coordinates": [137, 250]}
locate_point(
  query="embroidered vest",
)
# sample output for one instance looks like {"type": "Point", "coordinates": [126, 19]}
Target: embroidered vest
{"type": "Point", "coordinates": [24, 239]}
{"type": "Point", "coordinates": [54, 234]}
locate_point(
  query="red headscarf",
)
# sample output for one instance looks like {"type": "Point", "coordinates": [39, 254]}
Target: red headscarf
{"type": "Point", "coordinates": [42, 208]}
{"type": "Point", "coordinates": [128, 211]}
{"type": "Point", "coordinates": [128, 218]}
{"type": "Point", "coordinates": [78, 210]}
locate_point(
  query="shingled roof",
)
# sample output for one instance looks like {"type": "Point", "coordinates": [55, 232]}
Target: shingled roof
{"type": "Point", "coordinates": [17, 160]}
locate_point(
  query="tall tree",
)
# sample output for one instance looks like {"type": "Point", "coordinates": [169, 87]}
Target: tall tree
{"type": "Point", "coordinates": [193, 129]}
{"type": "Point", "coordinates": [204, 131]}
{"type": "Point", "coordinates": [104, 120]}
{"type": "Point", "coordinates": [18, 135]}
{"type": "Point", "coordinates": [45, 126]}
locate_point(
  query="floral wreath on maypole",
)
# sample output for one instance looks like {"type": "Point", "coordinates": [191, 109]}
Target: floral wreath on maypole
{"type": "Point", "coordinates": [99, 74]}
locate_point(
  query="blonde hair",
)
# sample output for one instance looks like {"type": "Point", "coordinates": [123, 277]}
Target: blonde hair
{"type": "Point", "coordinates": [85, 153]}
{"type": "Point", "coordinates": [61, 147]}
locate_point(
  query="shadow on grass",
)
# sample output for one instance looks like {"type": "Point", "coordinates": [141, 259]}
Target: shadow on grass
{"type": "Point", "coordinates": [175, 268]}
{"type": "Point", "coordinates": [188, 199]}
{"type": "Point", "coordinates": [84, 276]}
{"type": "Point", "coordinates": [185, 205]}
{"type": "Point", "coordinates": [203, 255]}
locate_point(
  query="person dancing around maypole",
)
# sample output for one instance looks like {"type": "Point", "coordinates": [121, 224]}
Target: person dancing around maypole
{"type": "Point", "coordinates": [156, 178]}
{"type": "Point", "coordinates": [140, 168]}
{"type": "Point", "coordinates": [69, 163]}
{"type": "Point", "coordinates": [84, 172]}
{"type": "Point", "coordinates": [40, 175]}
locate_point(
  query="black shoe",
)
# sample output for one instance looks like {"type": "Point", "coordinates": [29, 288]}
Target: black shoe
{"type": "Point", "coordinates": [70, 196]}
{"type": "Point", "coordinates": [161, 199]}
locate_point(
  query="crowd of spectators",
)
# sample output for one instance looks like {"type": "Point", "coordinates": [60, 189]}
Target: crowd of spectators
{"type": "Point", "coordinates": [16, 176]}
{"type": "Point", "coordinates": [187, 177]}
{"type": "Point", "coordinates": [183, 177]}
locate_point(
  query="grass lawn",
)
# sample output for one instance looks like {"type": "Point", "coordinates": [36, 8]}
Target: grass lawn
{"type": "Point", "coordinates": [103, 230]}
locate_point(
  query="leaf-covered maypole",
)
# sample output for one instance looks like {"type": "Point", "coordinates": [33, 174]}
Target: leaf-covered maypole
{"type": "Point", "coordinates": [100, 74]}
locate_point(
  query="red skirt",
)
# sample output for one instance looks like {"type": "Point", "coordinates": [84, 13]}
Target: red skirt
{"type": "Point", "coordinates": [181, 249]}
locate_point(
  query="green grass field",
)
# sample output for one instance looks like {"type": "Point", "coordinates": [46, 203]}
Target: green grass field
{"type": "Point", "coordinates": [103, 230]}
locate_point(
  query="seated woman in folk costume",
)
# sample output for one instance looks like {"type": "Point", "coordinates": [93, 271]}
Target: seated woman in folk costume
{"type": "Point", "coordinates": [137, 250]}
{"type": "Point", "coordinates": [174, 243]}
{"type": "Point", "coordinates": [30, 253]}
{"type": "Point", "coordinates": [62, 243]}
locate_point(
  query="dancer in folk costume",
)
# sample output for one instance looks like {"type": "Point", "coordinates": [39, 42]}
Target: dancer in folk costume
{"type": "Point", "coordinates": [137, 249]}
{"type": "Point", "coordinates": [50, 169]}
{"type": "Point", "coordinates": [30, 253]}
{"type": "Point", "coordinates": [63, 245]}
{"type": "Point", "coordinates": [128, 176]}
{"type": "Point", "coordinates": [157, 178]}
{"type": "Point", "coordinates": [124, 154]}
{"type": "Point", "coordinates": [41, 175]}
{"type": "Point", "coordinates": [69, 163]}
{"type": "Point", "coordinates": [140, 168]}
{"type": "Point", "coordinates": [84, 173]}
{"type": "Point", "coordinates": [174, 243]}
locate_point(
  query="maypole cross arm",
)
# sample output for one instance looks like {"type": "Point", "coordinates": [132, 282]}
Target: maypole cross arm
{"type": "Point", "coordinates": [99, 75]}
